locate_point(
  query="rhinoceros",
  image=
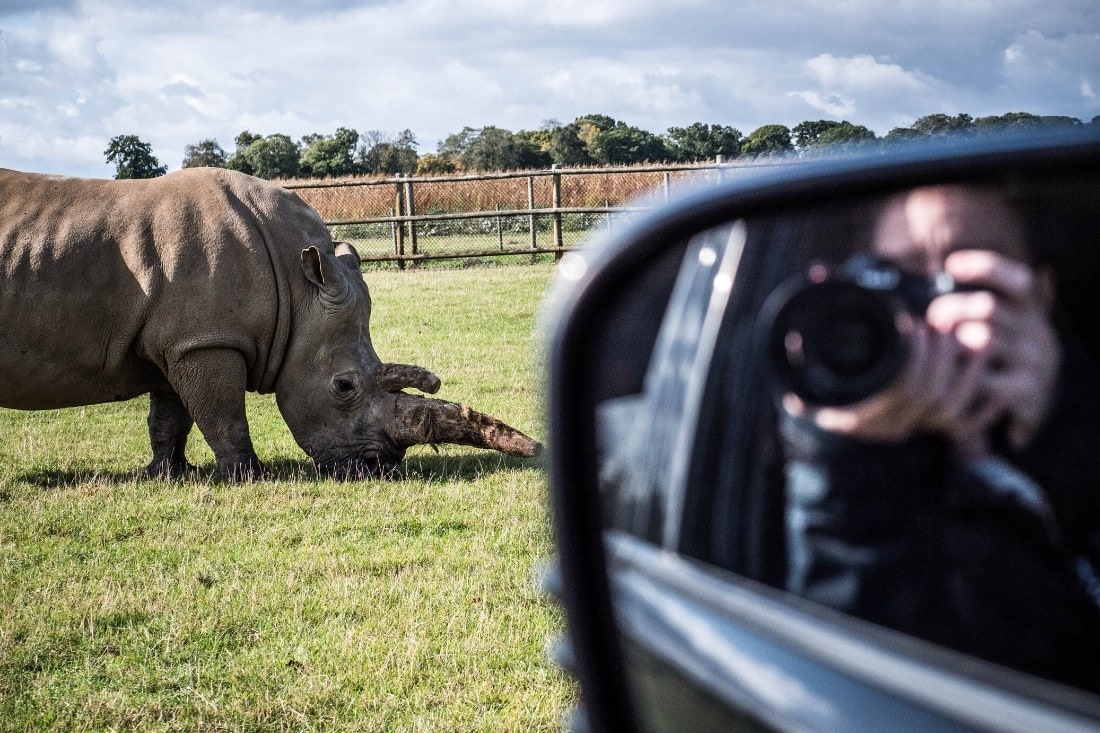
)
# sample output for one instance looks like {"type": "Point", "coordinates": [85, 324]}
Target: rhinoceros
{"type": "Point", "coordinates": [198, 287]}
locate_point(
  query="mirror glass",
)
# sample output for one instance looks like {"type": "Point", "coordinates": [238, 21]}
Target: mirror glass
{"type": "Point", "coordinates": [889, 405]}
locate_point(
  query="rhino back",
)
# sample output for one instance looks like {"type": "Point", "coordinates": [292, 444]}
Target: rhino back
{"type": "Point", "coordinates": [102, 283]}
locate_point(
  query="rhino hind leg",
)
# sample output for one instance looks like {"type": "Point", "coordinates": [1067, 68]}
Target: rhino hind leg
{"type": "Point", "coordinates": [211, 385]}
{"type": "Point", "coordinates": [169, 426]}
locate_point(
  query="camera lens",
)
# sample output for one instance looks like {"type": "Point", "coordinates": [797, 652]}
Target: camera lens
{"type": "Point", "coordinates": [852, 343]}
{"type": "Point", "coordinates": [833, 342]}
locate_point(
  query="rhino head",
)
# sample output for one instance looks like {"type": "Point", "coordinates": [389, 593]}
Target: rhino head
{"type": "Point", "coordinates": [345, 407]}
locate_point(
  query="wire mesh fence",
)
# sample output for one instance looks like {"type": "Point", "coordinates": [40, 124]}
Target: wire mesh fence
{"type": "Point", "coordinates": [538, 214]}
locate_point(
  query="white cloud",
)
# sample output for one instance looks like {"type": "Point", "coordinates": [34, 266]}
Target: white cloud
{"type": "Point", "coordinates": [877, 93]}
{"type": "Point", "coordinates": [831, 104]}
{"type": "Point", "coordinates": [1046, 68]}
{"type": "Point", "coordinates": [865, 74]}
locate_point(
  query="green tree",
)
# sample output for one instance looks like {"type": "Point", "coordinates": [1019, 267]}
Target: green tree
{"type": "Point", "coordinates": [385, 154]}
{"type": "Point", "coordinates": [491, 149]}
{"type": "Point", "coordinates": [1059, 121]}
{"type": "Point", "coordinates": [1007, 121]}
{"type": "Point", "coordinates": [819, 135]}
{"type": "Point", "coordinates": [330, 156]}
{"type": "Point", "coordinates": [204, 154]}
{"type": "Point", "coordinates": [589, 128]}
{"type": "Point", "coordinates": [274, 156]}
{"type": "Point", "coordinates": [1019, 121]}
{"type": "Point", "coordinates": [133, 158]}
{"type": "Point", "coordinates": [432, 165]}
{"type": "Point", "coordinates": [454, 146]}
{"type": "Point", "coordinates": [808, 133]}
{"type": "Point", "coordinates": [902, 134]}
{"type": "Point", "coordinates": [768, 141]}
{"type": "Point", "coordinates": [535, 147]}
{"type": "Point", "coordinates": [541, 137]}
{"type": "Point", "coordinates": [495, 148]}
{"type": "Point", "coordinates": [239, 160]}
{"type": "Point", "coordinates": [700, 141]}
{"type": "Point", "coordinates": [940, 125]}
{"type": "Point", "coordinates": [599, 123]}
{"type": "Point", "coordinates": [848, 135]}
{"type": "Point", "coordinates": [610, 142]}
{"type": "Point", "coordinates": [566, 148]}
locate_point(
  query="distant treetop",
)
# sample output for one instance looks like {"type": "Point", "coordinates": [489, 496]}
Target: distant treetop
{"type": "Point", "coordinates": [592, 139]}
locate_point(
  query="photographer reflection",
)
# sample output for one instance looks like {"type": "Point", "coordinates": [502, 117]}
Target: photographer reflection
{"type": "Point", "coordinates": [953, 494]}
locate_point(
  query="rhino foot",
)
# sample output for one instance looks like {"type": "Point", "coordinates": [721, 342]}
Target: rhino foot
{"type": "Point", "coordinates": [168, 470]}
{"type": "Point", "coordinates": [245, 471]}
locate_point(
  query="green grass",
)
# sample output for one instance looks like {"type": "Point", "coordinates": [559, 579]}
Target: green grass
{"type": "Point", "coordinates": [293, 604]}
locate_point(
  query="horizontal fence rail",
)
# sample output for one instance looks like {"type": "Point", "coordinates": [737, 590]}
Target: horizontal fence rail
{"type": "Point", "coordinates": [541, 214]}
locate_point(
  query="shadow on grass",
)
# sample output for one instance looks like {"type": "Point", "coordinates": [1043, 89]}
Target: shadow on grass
{"type": "Point", "coordinates": [423, 467]}
{"type": "Point", "coordinates": [48, 478]}
{"type": "Point", "coordinates": [462, 466]}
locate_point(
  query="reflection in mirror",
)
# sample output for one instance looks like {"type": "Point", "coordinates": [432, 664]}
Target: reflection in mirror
{"type": "Point", "coordinates": [933, 457]}
{"type": "Point", "coordinates": [640, 435]}
{"type": "Point", "coordinates": [939, 403]}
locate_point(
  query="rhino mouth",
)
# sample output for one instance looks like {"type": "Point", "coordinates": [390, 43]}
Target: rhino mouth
{"type": "Point", "coordinates": [376, 461]}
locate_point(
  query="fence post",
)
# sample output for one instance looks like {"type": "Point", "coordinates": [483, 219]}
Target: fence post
{"type": "Point", "coordinates": [556, 201]}
{"type": "Point", "coordinates": [666, 185]}
{"type": "Point", "coordinates": [399, 230]}
{"type": "Point", "coordinates": [720, 160]}
{"type": "Point", "coordinates": [531, 206]}
{"type": "Point", "coordinates": [410, 210]}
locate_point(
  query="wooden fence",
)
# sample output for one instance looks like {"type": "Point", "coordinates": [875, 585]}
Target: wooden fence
{"type": "Point", "coordinates": [407, 220]}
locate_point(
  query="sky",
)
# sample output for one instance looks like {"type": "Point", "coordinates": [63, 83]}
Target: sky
{"type": "Point", "coordinates": [75, 73]}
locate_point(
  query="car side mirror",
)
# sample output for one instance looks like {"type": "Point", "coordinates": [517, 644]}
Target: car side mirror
{"type": "Point", "coordinates": [672, 343]}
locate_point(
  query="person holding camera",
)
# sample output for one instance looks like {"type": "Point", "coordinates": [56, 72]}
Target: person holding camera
{"type": "Point", "coordinates": [960, 502]}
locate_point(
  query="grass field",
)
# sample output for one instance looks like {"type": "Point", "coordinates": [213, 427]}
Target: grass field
{"type": "Point", "coordinates": [294, 604]}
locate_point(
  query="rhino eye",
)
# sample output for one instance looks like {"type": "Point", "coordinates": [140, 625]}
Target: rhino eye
{"type": "Point", "coordinates": [345, 384]}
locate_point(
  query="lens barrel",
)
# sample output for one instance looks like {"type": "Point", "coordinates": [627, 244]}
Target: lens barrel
{"type": "Point", "coordinates": [833, 342]}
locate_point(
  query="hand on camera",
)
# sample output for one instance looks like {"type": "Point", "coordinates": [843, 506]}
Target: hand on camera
{"type": "Point", "coordinates": [980, 356]}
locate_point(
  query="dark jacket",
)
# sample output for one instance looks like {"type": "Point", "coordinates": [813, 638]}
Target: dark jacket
{"type": "Point", "coordinates": [1002, 565]}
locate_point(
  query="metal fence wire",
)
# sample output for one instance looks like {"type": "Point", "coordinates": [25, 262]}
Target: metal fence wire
{"type": "Point", "coordinates": [410, 220]}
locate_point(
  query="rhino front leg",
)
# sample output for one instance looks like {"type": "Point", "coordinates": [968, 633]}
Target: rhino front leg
{"type": "Point", "coordinates": [211, 384]}
{"type": "Point", "coordinates": [169, 425]}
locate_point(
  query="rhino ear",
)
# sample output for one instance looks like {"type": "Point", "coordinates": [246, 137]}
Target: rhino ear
{"type": "Point", "coordinates": [347, 254]}
{"type": "Point", "coordinates": [324, 271]}
{"type": "Point", "coordinates": [313, 267]}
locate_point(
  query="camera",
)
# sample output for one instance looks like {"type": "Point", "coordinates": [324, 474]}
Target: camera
{"type": "Point", "coordinates": [836, 335]}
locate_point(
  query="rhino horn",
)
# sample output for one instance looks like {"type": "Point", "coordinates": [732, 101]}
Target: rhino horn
{"type": "Point", "coordinates": [396, 377]}
{"type": "Point", "coordinates": [425, 420]}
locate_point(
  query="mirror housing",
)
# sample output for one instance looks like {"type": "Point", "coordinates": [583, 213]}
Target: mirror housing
{"type": "Point", "coordinates": [605, 311]}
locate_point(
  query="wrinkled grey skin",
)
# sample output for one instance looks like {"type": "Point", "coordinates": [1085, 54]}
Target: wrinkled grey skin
{"type": "Point", "coordinates": [195, 288]}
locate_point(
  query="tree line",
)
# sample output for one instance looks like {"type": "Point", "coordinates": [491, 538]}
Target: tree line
{"type": "Point", "coordinates": [590, 140]}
